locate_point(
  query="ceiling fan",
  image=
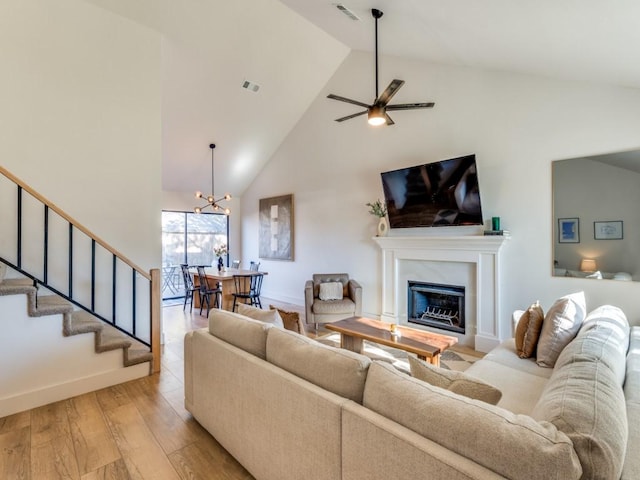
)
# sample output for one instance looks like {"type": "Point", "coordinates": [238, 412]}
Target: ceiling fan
{"type": "Point", "coordinates": [377, 112]}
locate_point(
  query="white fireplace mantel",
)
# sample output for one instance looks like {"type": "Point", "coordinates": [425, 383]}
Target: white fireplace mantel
{"type": "Point", "coordinates": [479, 251]}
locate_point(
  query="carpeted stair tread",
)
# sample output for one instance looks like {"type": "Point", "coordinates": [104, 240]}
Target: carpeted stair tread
{"type": "Point", "coordinates": [111, 339]}
{"type": "Point", "coordinates": [82, 322]}
{"type": "Point", "coordinates": [137, 353]}
{"type": "Point", "coordinates": [51, 305]}
{"type": "Point", "coordinates": [16, 286]}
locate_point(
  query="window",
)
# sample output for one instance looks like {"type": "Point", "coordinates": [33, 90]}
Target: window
{"type": "Point", "coordinates": [189, 238]}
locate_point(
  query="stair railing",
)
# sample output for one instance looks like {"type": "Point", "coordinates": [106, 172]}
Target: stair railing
{"type": "Point", "coordinates": [83, 289]}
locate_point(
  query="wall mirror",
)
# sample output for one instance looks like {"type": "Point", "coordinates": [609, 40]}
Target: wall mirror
{"type": "Point", "coordinates": [596, 216]}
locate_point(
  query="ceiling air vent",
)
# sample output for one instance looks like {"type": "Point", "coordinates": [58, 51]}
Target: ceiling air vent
{"type": "Point", "coordinates": [252, 87]}
{"type": "Point", "coordinates": [346, 11]}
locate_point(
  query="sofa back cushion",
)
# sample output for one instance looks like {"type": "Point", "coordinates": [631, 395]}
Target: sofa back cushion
{"type": "Point", "coordinates": [240, 331]}
{"type": "Point", "coordinates": [584, 397]}
{"type": "Point", "coordinates": [515, 446]}
{"type": "Point", "coordinates": [603, 337]}
{"type": "Point", "coordinates": [340, 371]}
{"type": "Point", "coordinates": [631, 468]}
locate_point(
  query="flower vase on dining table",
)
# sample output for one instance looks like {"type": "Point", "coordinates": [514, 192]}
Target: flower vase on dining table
{"type": "Point", "coordinates": [220, 264]}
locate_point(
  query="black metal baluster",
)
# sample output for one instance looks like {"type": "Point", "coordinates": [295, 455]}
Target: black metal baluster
{"type": "Point", "coordinates": [46, 245]}
{"type": "Point", "coordinates": [113, 297]}
{"type": "Point", "coordinates": [93, 275]}
{"type": "Point", "coordinates": [133, 285]}
{"type": "Point", "coordinates": [19, 252]}
{"type": "Point", "coordinates": [70, 260]}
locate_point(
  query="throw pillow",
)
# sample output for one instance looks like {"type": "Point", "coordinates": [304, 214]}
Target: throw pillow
{"type": "Point", "coordinates": [291, 320]}
{"type": "Point", "coordinates": [456, 382]}
{"type": "Point", "coordinates": [528, 331]}
{"type": "Point", "coordinates": [266, 316]}
{"type": "Point", "coordinates": [331, 291]}
{"type": "Point", "coordinates": [560, 326]}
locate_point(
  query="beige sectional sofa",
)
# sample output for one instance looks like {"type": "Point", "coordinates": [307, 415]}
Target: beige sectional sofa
{"type": "Point", "coordinates": [287, 407]}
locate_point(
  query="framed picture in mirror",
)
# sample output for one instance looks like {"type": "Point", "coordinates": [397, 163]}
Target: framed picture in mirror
{"type": "Point", "coordinates": [608, 230]}
{"type": "Point", "coordinates": [569, 230]}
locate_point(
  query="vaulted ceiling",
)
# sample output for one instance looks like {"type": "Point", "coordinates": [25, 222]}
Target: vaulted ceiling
{"type": "Point", "coordinates": [291, 48]}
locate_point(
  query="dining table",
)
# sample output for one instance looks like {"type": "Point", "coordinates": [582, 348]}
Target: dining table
{"type": "Point", "coordinates": [225, 278]}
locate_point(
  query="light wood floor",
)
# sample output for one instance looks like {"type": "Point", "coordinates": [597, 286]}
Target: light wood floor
{"type": "Point", "coordinates": [137, 430]}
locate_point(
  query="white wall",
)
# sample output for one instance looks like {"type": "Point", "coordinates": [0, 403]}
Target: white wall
{"type": "Point", "coordinates": [80, 118]}
{"type": "Point", "coordinates": [516, 125]}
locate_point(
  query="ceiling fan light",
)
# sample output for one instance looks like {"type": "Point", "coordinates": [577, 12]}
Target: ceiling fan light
{"type": "Point", "coordinates": [376, 116]}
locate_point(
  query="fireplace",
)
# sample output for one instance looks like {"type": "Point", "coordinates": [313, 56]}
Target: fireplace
{"type": "Point", "coordinates": [436, 305]}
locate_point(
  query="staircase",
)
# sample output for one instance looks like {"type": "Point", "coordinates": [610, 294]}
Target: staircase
{"type": "Point", "coordinates": [68, 277]}
{"type": "Point", "coordinates": [77, 322]}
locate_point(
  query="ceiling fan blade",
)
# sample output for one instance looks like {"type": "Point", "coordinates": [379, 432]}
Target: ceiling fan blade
{"type": "Point", "coordinates": [409, 106]}
{"type": "Point", "coordinates": [348, 117]}
{"type": "Point", "coordinates": [388, 118]}
{"type": "Point", "coordinates": [348, 100]}
{"type": "Point", "coordinates": [390, 91]}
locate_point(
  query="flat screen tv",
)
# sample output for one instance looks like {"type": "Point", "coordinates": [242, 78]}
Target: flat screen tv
{"type": "Point", "coordinates": [443, 193]}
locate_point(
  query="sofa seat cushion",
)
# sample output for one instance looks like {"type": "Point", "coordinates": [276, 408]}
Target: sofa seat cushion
{"type": "Point", "coordinates": [340, 371]}
{"type": "Point", "coordinates": [240, 331]}
{"type": "Point", "coordinates": [505, 354]}
{"type": "Point", "coordinates": [515, 446]}
{"type": "Point", "coordinates": [520, 390]}
{"type": "Point", "coordinates": [584, 396]}
{"type": "Point", "coordinates": [328, 307]}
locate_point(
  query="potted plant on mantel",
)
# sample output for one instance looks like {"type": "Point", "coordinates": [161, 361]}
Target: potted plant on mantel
{"type": "Point", "coordinates": [379, 210]}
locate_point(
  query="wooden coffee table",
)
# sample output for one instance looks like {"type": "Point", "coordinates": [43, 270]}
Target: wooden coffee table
{"type": "Point", "coordinates": [426, 345]}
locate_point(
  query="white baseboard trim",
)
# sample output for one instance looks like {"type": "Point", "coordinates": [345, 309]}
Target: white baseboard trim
{"type": "Point", "coordinates": [485, 344]}
{"type": "Point", "coordinates": [55, 393]}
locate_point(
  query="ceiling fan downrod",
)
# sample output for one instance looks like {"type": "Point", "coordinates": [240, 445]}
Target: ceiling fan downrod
{"type": "Point", "coordinates": [376, 14]}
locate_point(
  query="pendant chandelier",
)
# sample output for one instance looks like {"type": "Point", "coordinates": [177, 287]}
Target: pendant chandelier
{"type": "Point", "coordinates": [211, 200]}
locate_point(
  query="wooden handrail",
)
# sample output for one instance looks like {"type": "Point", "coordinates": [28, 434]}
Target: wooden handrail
{"type": "Point", "coordinates": [74, 222]}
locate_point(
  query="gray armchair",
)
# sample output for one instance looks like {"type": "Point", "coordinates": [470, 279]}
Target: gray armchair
{"type": "Point", "coordinates": [326, 311]}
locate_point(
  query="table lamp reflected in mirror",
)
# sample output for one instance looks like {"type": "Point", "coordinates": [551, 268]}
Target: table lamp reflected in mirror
{"type": "Point", "coordinates": [588, 265]}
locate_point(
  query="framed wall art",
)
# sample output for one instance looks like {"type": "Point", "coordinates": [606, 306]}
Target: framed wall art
{"type": "Point", "coordinates": [611, 230]}
{"type": "Point", "coordinates": [276, 228]}
{"type": "Point", "coordinates": [568, 230]}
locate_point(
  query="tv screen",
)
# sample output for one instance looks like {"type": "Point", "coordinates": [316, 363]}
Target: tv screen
{"type": "Point", "coordinates": [443, 193]}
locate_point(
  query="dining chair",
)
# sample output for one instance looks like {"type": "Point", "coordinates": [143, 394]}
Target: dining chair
{"type": "Point", "coordinates": [235, 264]}
{"type": "Point", "coordinates": [189, 287]}
{"type": "Point", "coordinates": [254, 266]}
{"type": "Point", "coordinates": [206, 291]}
{"type": "Point", "coordinates": [247, 288]}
